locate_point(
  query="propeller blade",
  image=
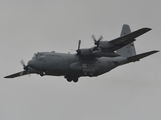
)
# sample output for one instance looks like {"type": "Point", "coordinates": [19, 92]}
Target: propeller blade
{"type": "Point", "coordinates": [101, 37]}
{"type": "Point", "coordinates": [78, 50]}
{"type": "Point", "coordinates": [94, 39]}
{"type": "Point", "coordinates": [24, 66]}
{"type": "Point", "coordinates": [23, 63]}
{"type": "Point", "coordinates": [79, 43]}
{"type": "Point", "coordinates": [96, 42]}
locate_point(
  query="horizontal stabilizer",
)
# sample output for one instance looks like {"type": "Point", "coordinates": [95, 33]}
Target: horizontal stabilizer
{"type": "Point", "coordinates": [140, 56]}
{"type": "Point", "coordinates": [17, 74]}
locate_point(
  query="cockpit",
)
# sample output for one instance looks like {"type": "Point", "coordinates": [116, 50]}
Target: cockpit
{"type": "Point", "coordinates": [38, 55]}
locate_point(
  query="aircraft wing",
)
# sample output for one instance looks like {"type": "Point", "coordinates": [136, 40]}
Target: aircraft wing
{"type": "Point", "coordinates": [127, 39]}
{"type": "Point", "coordinates": [17, 74]}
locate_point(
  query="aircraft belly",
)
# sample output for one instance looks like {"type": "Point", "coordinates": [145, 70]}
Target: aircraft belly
{"type": "Point", "coordinates": [83, 68]}
{"type": "Point", "coordinates": [63, 66]}
{"type": "Point", "coordinates": [105, 66]}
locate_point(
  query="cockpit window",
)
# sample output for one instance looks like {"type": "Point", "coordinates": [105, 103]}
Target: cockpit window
{"type": "Point", "coordinates": [38, 55]}
{"type": "Point", "coordinates": [34, 57]}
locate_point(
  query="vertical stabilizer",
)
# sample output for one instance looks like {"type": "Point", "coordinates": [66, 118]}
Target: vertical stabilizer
{"type": "Point", "coordinates": [128, 50]}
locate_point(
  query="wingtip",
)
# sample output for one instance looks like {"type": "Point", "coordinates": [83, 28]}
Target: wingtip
{"type": "Point", "coordinates": [155, 51]}
{"type": "Point", "coordinates": [6, 77]}
{"type": "Point", "coordinates": [147, 29]}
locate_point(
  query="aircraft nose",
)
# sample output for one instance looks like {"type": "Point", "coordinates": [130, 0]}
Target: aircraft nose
{"type": "Point", "coordinates": [31, 63]}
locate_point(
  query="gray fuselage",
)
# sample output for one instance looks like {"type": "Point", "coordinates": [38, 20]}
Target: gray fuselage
{"type": "Point", "coordinates": [61, 64]}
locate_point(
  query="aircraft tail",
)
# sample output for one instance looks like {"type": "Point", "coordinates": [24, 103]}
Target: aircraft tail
{"type": "Point", "coordinates": [128, 50]}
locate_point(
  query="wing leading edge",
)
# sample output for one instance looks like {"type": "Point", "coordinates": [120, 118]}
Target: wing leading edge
{"type": "Point", "coordinates": [17, 74]}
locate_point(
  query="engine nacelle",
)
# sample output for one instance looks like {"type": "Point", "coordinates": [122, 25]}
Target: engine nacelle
{"type": "Point", "coordinates": [85, 52]}
{"type": "Point", "coordinates": [104, 54]}
{"type": "Point", "coordinates": [105, 45]}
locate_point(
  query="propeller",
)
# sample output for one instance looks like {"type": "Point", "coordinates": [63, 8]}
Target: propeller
{"type": "Point", "coordinates": [96, 42]}
{"type": "Point", "coordinates": [24, 66]}
{"type": "Point", "coordinates": [78, 50]}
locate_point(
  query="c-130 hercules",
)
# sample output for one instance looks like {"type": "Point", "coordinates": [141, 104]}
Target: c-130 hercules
{"type": "Point", "coordinates": [92, 62]}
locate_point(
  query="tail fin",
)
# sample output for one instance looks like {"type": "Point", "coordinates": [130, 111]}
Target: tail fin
{"type": "Point", "coordinates": [128, 50]}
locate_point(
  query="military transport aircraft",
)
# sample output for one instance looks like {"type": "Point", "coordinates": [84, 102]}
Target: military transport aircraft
{"type": "Point", "coordinates": [92, 62]}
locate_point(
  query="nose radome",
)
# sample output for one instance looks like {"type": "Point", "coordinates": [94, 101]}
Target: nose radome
{"type": "Point", "coordinates": [31, 63]}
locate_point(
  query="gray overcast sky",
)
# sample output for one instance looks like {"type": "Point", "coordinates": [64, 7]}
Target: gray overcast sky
{"type": "Point", "coordinates": [130, 92]}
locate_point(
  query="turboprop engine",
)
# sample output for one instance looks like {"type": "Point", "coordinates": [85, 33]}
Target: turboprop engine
{"type": "Point", "coordinates": [101, 50]}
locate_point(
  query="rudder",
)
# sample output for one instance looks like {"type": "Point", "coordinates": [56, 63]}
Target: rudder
{"type": "Point", "coordinates": [128, 50]}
